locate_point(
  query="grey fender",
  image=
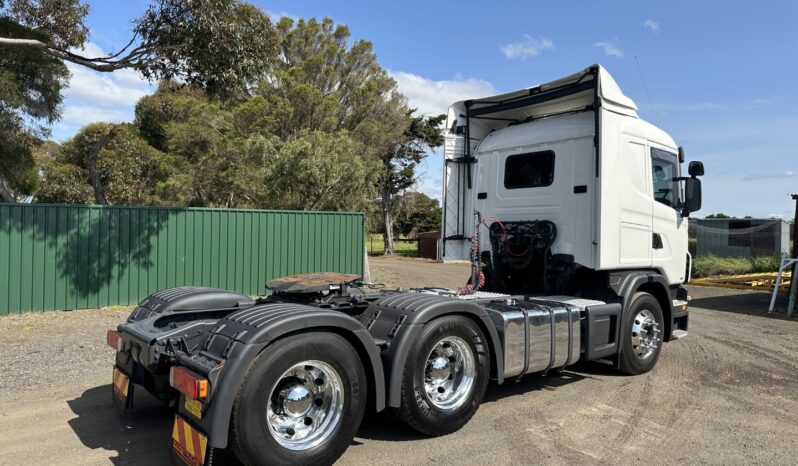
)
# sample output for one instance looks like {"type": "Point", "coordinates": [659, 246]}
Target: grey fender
{"type": "Point", "coordinates": [398, 319]}
{"type": "Point", "coordinates": [238, 339]}
{"type": "Point", "coordinates": [626, 284]}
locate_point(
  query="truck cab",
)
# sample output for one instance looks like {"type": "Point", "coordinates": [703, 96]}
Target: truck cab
{"type": "Point", "coordinates": [573, 152]}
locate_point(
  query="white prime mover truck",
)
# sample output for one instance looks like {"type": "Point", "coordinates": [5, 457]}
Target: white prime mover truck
{"type": "Point", "coordinates": [573, 214]}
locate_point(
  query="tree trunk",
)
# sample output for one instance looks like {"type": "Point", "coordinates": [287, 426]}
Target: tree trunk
{"type": "Point", "coordinates": [91, 167]}
{"type": "Point", "coordinates": [5, 193]}
{"type": "Point", "coordinates": [388, 221]}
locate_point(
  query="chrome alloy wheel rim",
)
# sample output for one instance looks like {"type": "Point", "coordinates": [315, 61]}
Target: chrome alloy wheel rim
{"type": "Point", "coordinates": [645, 334]}
{"type": "Point", "coordinates": [449, 373]}
{"type": "Point", "coordinates": [306, 405]}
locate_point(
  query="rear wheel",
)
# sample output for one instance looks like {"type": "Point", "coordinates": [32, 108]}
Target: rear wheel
{"type": "Point", "coordinates": [642, 334]}
{"type": "Point", "coordinates": [445, 376]}
{"type": "Point", "coordinates": [301, 402]}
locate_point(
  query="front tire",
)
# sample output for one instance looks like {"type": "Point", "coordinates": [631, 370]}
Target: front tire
{"type": "Point", "coordinates": [445, 376]}
{"type": "Point", "coordinates": [301, 402]}
{"type": "Point", "coordinates": [642, 334]}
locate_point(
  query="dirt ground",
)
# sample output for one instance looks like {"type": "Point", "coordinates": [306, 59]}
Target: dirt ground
{"type": "Point", "coordinates": [725, 394]}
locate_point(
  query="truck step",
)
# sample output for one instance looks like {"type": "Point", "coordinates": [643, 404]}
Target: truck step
{"type": "Point", "coordinates": [679, 334]}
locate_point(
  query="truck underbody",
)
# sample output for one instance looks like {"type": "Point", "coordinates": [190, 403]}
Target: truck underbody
{"type": "Point", "coordinates": [217, 336]}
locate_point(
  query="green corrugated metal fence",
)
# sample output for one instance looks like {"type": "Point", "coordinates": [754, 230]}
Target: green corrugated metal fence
{"type": "Point", "coordinates": [75, 257]}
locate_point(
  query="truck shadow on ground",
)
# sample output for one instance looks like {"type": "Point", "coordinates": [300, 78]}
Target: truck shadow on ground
{"type": "Point", "coordinates": [143, 435]}
{"type": "Point", "coordinates": [384, 426]}
{"type": "Point", "coordinates": [140, 436]}
{"type": "Point", "coordinates": [749, 303]}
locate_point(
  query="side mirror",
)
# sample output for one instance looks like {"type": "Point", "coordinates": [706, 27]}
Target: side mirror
{"type": "Point", "coordinates": [692, 195]}
{"type": "Point", "coordinates": [695, 168]}
{"type": "Point", "coordinates": [681, 154]}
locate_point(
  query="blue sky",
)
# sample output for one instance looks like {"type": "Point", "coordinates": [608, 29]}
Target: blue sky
{"type": "Point", "coordinates": [720, 76]}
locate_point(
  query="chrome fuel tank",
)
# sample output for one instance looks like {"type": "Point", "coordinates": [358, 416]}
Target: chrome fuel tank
{"type": "Point", "coordinates": [536, 335]}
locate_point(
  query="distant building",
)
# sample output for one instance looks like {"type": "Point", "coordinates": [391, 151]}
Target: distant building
{"type": "Point", "coordinates": [429, 245]}
{"type": "Point", "coordinates": [741, 237]}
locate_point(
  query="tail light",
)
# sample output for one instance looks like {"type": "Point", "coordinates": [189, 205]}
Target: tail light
{"type": "Point", "coordinates": [114, 340]}
{"type": "Point", "coordinates": [188, 383]}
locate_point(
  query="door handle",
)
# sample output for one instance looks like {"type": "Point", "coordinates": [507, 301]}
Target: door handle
{"type": "Point", "coordinates": [656, 242]}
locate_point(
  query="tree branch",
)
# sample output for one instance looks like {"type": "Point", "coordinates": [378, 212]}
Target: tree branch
{"type": "Point", "coordinates": [97, 64]}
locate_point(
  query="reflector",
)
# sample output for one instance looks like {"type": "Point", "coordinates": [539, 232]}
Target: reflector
{"type": "Point", "coordinates": [114, 340]}
{"type": "Point", "coordinates": [188, 383]}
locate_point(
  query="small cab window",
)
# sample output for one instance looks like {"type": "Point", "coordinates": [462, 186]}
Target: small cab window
{"type": "Point", "coordinates": [532, 170]}
{"type": "Point", "coordinates": [665, 171]}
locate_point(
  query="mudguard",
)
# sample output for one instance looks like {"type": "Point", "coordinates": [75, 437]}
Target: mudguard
{"type": "Point", "coordinates": [237, 340]}
{"type": "Point", "coordinates": [186, 298]}
{"type": "Point", "coordinates": [398, 318]}
{"type": "Point", "coordinates": [625, 284]}
{"type": "Point", "coordinates": [167, 323]}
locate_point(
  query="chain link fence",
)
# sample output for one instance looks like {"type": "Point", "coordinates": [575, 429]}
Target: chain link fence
{"type": "Point", "coordinates": [748, 237]}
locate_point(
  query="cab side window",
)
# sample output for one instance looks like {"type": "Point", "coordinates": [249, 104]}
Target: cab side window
{"type": "Point", "coordinates": [665, 171]}
{"type": "Point", "coordinates": [531, 170]}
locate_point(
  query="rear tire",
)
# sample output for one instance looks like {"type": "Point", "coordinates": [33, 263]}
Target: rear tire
{"type": "Point", "coordinates": [445, 376]}
{"type": "Point", "coordinates": [301, 402]}
{"type": "Point", "coordinates": [641, 334]}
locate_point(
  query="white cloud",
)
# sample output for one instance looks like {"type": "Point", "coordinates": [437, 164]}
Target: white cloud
{"type": "Point", "coordinates": [76, 116]}
{"type": "Point", "coordinates": [610, 49]}
{"type": "Point", "coordinates": [122, 87]}
{"type": "Point", "coordinates": [525, 48]}
{"type": "Point", "coordinates": [770, 176]}
{"type": "Point", "coordinates": [651, 25]}
{"type": "Point", "coordinates": [434, 97]}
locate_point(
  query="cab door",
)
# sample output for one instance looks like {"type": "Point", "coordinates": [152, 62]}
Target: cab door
{"type": "Point", "coordinates": [634, 193]}
{"type": "Point", "coordinates": [669, 230]}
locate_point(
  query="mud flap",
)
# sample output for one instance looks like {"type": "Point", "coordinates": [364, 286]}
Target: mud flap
{"type": "Point", "coordinates": [121, 390]}
{"type": "Point", "coordinates": [189, 445]}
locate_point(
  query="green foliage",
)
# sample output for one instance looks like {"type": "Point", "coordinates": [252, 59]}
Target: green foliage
{"type": "Point", "coordinates": [419, 213]}
{"type": "Point", "coordinates": [154, 111]}
{"type": "Point", "coordinates": [59, 21]}
{"type": "Point", "coordinates": [710, 266]}
{"type": "Point", "coordinates": [322, 83]}
{"type": "Point", "coordinates": [718, 215]}
{"type": "Point", "coordinates": [30, 100]}
{"type": "Point", "coordinates": [220, 45]}
{"type": "Point", "coordinates": [321, 127]}
{"type": "Point", "coordinates": [131, 171]}
{"type": "Point", "coordinates": [64, 183]}
{"type": "Point", "coordinates": [320, 171]}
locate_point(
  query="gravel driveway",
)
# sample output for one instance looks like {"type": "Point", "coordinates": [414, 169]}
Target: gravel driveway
{"type": "Point", "coordinates": [728, 393]}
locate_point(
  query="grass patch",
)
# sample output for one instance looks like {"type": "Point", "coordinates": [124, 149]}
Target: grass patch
{"type": "Point", "coordinates": [711, 266]}
{"type": "Point", "coordinates": [376, 247]}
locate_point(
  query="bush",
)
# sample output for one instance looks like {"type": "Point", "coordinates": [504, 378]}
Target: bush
{"type": "Point", "coordinates": [709, 266]}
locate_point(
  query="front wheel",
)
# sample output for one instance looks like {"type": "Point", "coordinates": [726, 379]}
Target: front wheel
{"type": "Point", "coordinates": [445, 376]}
{"type": "Point", "coordinates": [301, 402]}
{"type": "Point", "coordinates": [642, 334]}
